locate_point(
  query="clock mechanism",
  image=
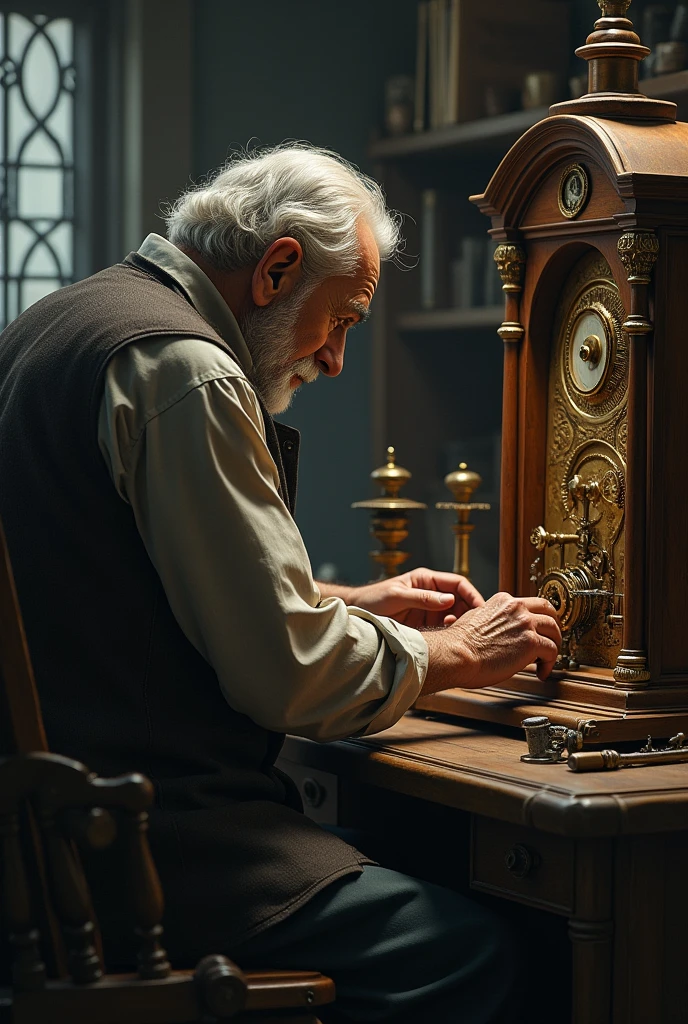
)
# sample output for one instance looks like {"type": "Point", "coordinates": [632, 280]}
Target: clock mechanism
{"type": "Point", "coordinates": [579, 566]}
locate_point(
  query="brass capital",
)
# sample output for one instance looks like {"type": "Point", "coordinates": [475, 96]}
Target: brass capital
{"type": "Point", "coordinates": [638, 251]}
{"type": "Point", "coordinates": [510, 260]}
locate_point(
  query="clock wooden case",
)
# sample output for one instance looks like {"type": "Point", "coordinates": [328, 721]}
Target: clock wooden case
{"type": "Point", "coordinates": [590, 212]}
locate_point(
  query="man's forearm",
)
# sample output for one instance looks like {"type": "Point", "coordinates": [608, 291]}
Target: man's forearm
{"type": "Point", "coordinates": [347, 594]}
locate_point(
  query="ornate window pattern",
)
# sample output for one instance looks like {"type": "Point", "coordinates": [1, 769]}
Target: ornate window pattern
{"type": "Point", "coordinates": [36, 158]}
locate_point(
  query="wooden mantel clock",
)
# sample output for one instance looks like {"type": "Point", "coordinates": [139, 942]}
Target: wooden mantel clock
{"type": "Point", "coordinates": [590, 210]}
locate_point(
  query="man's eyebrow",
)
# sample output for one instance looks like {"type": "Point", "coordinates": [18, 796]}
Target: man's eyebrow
{"type": "Point", "coordinates": [360, 309]}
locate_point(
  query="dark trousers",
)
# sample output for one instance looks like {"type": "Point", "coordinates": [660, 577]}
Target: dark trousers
{"type": "Point", "coordinates": [398, 949]}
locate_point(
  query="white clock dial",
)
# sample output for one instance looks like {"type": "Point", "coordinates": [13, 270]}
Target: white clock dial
{"type": "Point", "coordinates": [589, 351]}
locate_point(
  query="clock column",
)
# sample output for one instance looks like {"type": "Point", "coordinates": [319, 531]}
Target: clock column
{"type": "Point", "coordinates": [511, 260]}
{"type": "Point", "coordinates": [638, 251]}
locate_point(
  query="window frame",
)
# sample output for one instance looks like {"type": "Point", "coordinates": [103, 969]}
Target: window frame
{"type": "Point", "coordinates": [97, 154]}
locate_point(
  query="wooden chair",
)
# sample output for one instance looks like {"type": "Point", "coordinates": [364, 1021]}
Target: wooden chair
{"type": "Point", "coordinates": [51, 806]}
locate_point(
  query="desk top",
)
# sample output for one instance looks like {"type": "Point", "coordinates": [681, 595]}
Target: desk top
{"type": "Point", "coordinates": [472, 769]}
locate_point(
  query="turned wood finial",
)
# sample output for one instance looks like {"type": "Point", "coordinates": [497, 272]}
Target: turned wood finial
{"type": "Point", "coordinates": [613, 52]}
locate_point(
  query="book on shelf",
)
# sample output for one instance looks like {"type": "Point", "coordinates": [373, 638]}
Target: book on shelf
{"type": "Point", "coordinates": [421, 67]}
{"type": "Point", "coordinates": [471, 281]}
{"type": "Point", "coordinates": [437, 59]}
{"type": "Point", "coordinates": [435, 217]}
{"type": "Point", "coordinates": [468, 274]}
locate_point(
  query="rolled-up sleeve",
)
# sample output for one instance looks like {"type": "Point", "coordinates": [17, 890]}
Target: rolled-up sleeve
{"type": "Point", "coordinates": [204, 490]}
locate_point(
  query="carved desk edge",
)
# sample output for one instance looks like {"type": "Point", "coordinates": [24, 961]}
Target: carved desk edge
{"type": "Point", "coordinates": [546, 805]}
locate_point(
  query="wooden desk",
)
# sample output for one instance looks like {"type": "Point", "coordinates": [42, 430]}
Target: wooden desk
{"type": "Point", "coordinates": [608, 851]}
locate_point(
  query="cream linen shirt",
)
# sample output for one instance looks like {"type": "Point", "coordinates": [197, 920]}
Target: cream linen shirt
{"type": "Point", "coordinates": [183, 438]}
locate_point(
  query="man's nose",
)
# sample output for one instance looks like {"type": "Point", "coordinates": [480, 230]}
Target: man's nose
{"type": "Point", "coordinates": [330, 358]}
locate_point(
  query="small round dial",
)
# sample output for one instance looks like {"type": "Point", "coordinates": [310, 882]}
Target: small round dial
{"type": "Point", "coordinates": [589, 351]}
{"type": "Point", "coordinates": [594, 356]}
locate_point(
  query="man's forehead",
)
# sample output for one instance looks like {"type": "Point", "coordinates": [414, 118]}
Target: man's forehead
{"type": "Point", "coordinates": [370, 253]}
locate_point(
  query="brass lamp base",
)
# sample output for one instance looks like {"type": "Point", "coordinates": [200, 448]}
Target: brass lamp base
{"type": "Point", "coordinates": [389, 524]}
{"type": "Point", "coordinates": [462, 482]}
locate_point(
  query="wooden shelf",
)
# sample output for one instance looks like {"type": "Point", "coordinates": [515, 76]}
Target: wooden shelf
{"type": "Point", "coordinates": [450, 319]}
{"type": "Point", "coordinates": [498, 133]}
{"type": "Point", "coordinates": [487, 134]}
{"type": "Point", "coordinates": [666, 87]}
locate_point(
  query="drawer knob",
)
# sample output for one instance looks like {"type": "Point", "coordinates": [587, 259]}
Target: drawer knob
{"type": "Point", "coordinates": [520, 861]}
{"type": "Point", "coordinates": [313, 793]}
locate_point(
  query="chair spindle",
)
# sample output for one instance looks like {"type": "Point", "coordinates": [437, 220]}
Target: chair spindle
{"type": "Point", "coordinates": [72, 903]}
{"type": "Point", "coordinates": [28, 969]}
{"type": "Point", "coordinates": [147, 898]}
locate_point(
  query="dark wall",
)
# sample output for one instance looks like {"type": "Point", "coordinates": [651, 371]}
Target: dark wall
{"type": "Point", "coordinates": [315, 70]}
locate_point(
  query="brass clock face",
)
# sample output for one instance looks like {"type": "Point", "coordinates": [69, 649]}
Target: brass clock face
{"type": "Point", "coordinates": [586, 447]}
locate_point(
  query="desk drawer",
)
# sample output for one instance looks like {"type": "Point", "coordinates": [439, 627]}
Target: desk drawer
{"type": "Point", "coordinates": [522, 864]}
{"type": "Point", "coordinates": [318, 789]}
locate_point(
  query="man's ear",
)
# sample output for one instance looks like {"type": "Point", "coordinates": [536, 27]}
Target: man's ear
{"type": "Point", "coordinates": [277, 272]}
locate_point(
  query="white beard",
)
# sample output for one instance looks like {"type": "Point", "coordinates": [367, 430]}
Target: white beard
{"type": "Point", "coordinates": [270, 334]}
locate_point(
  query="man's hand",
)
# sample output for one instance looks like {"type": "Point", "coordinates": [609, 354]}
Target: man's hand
{"type": "Point", "coordinates": [490, 643]}
{"type": "Point", "coordinates": [420, 598]}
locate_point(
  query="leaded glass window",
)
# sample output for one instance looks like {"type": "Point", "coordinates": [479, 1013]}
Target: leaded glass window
{"type": "Point", "coordinates": [37, 78]}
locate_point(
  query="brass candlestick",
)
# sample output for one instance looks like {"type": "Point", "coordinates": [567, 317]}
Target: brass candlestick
{"type": "Point", "coordinates": [462, 482]}
{"type": "Point", "coordinates": [389, 524]}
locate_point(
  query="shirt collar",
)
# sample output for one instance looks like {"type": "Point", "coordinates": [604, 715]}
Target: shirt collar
{"type": "Point", "coordinates": [200, 291]}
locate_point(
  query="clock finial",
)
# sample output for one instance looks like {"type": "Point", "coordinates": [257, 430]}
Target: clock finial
{"type": "Point", "coordinates": [614, 8]}
{"type": "Point", "coordinates": [613, 52]}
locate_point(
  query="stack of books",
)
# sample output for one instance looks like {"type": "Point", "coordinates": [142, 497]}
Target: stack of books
{"type": "Point", "coordinates": [466, 282]}
{"type": "Point", "coordinates": [469, 53]}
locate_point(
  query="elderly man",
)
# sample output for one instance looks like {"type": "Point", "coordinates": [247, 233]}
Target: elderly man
{"type": "Point", "coordinates": [171, 613]}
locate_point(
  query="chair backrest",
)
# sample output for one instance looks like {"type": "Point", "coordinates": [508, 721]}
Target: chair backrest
{"type": "Point", "coordinates": [48, 806]}
{"type": "Point", "coordinates": [71, 806]}
{"type": "Point", "coordinates": [22, 731]}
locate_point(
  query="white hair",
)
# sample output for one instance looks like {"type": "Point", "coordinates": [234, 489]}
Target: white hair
{"type": "Point", "coordinates": [295, 190]}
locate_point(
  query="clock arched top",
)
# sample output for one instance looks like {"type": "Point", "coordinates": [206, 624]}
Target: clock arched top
{"type": "Point", "coordinates": [643, 162]}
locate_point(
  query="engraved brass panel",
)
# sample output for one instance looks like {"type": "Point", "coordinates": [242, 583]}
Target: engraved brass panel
{"type": "Point", "coordinates": [586, 470]}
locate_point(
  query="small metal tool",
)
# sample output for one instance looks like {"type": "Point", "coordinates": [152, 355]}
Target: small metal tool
{"type": "Point", "coordinates": [676, 752]}
{"type": "Point", "coordinates": [547, 743]}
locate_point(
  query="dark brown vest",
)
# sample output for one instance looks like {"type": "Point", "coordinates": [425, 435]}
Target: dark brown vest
{"type": "Point", "coordinates": [121, 687]}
